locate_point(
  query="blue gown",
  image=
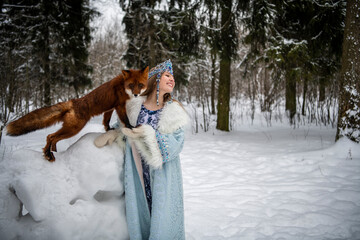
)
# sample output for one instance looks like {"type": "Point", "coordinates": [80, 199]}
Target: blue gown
{"type": "Point", "coordinates": [151, 118]}
{"type": "Point", "coordinates": [165, 194]}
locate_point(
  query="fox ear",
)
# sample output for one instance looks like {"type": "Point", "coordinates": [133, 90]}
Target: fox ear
{"type": "Point", "coordinates": [145, 69]}
{"type": "Point", "coordinates": [126, 73]}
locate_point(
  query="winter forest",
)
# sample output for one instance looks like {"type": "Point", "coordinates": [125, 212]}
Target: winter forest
{"type": "Point", "coordinates": [282, 57]}
{"type": "Point", "coordinates": [275, 82]}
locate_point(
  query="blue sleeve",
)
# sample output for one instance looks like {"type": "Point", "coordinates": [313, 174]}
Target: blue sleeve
{"type": "Point", "coordinates": [170, 145]}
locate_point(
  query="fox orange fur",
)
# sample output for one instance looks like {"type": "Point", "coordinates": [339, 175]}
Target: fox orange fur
{"type": "Point", "coordinates": [76, 113]}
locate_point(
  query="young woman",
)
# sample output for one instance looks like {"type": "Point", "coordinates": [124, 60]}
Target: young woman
{"type": "Point", "coordinates": [153, 180]}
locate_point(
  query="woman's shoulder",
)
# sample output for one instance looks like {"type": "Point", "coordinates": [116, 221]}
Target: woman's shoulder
{"type": "Point", "coordinates": [176, 102]}
{"type": "Point", "coordinates": [175, 105]}
{"type": "Point", "coordinates": [173, 117]}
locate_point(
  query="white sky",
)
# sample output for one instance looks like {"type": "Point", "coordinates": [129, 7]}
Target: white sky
{"type": "Point", "coordinates": [110, 13]}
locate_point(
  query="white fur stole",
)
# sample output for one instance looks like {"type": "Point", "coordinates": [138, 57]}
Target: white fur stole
{"type": "Point", "coordinates": [172, 117]}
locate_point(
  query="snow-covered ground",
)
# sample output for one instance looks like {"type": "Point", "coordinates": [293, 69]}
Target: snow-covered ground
{"type": "Point", "coordinates": [256, 182]}
{"type": "Point", "coordinates": [271, 183]}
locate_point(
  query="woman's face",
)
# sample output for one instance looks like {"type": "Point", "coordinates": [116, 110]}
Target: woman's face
{"type": "Point", "coordinates": [167, 83]}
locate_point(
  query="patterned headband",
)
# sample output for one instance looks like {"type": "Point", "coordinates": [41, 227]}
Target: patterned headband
{"type": "Point", "coordinates": [162, 67]}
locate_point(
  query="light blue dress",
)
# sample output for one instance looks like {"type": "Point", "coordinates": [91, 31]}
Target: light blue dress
{"type": "Point", "coordinates": [166, 220]}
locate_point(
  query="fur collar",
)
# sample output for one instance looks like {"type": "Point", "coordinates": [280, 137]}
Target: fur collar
{"type": "Point", "coordinates": [172, 117]}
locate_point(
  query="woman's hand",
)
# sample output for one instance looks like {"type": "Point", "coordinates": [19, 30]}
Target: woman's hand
{"type": "Point", "coordinates": [134, 133]}
{"type": "Point", "coordinates": [106, 138]}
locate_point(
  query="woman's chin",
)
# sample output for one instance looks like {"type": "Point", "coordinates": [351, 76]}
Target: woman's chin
{"type": "Point", "coordinates": [169, 90]}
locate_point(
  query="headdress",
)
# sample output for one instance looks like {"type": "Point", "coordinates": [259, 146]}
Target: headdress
{"type": "Point", "coordinates": [158, 71]}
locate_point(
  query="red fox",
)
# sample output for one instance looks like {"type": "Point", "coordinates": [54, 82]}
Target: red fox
{"type": "Point", "coordinates": [76, 113]}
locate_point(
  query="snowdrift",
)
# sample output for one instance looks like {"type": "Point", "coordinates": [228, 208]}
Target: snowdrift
{"type": "Point", "coordinates": [79, 196]}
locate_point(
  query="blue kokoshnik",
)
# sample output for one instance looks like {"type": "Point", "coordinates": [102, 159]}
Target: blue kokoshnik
{"type": "Point", "coordinates": [158, 71]}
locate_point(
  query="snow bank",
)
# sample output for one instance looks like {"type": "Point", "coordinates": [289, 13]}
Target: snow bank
{"type": "Point", "coordinates": [79, 196]}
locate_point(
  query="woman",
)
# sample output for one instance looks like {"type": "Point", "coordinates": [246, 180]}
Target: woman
{"type": "Point", "coordinates": [153, 181]}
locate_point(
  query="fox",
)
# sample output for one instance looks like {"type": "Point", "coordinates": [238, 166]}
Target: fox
{"type": "Point", "coordinates": [75, 113]}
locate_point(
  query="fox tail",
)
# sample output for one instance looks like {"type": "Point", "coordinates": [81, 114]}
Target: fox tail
{"type": "Point", "coordinates": [38, 119]}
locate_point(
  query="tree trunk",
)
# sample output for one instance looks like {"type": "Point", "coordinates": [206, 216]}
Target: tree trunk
{"type": "Point", "coordinates": [349, 100]}
{"type": "Point", "coordinates": [213, 60]}
{"type": "Point", "coordinates": [10, 78]}
{"type": "Point", "coordinates": [223, 105]}
{"type": "Point", "coordinates": [1, 129]}
{"type": "Point", "coordinates": [304, 94]}
{"type": "Point", "coordinates": [322, 89]}
{"type": "Point", "coordinates": [267, 94]}
{"type": "Point", "coordinates": [152, 60]}
{"type": "Point", "coordinates": [45, 58]}
{"type": "Point", "coordinates": [46, 80]}
{"type": "Point", "coordinates": [290, 94]}
{"type": "Point", "coordinates": [27, 93]}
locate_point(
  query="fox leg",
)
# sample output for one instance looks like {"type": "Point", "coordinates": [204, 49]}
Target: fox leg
{"type": "Point", "coordinates": [46, 150]}
{"type": "Point", "coordinates": [52, 139]}
{"type": "Point", "coordinates": [70, 128]}
{"type": "Point", "coordinates": [64, 133]}
{"type": "Point", "coordinates": [106, 120]}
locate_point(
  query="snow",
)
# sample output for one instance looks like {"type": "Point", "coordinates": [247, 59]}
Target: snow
{"type": "Point", "coordinates": [255, 182]}
{"type": "Point", "coordinates": [271, 183]}
{"type": "Point", "coordinates": [79, 196]}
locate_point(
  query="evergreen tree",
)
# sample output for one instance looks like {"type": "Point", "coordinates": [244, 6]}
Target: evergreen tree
{"type": "Point", "coordinates": [16, 59]}
{"type": "Point", "coordinates": [226, 53]}
{"type": "Point", "coordinates": [158, 34]}
{"type": "Point", "coordinates": [211, 37]}
{"type": "Point", "coordinates": [259, 23]}
{"type": "Point", "coordinates": [47, 43]}
{"type": "Point", "coordinates": [301, 38]}
{"type": "Point", "coordinates": [140, 28]}
{"type": "Point", "coordinates": [349, 102]}
{"type": "Point", "coordinates": [227, 46]}
{"type": "Point", "coordinates": [181, 33]}
{"type": "Point", "coordinates": [75, 18]}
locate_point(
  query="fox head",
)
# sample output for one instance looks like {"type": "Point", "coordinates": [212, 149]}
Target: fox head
{"type": "Point", "coordinates": [135, 81]}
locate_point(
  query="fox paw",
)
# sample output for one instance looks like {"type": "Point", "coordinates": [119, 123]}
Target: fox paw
{"type": "Point", "coordinates": [48, 155]}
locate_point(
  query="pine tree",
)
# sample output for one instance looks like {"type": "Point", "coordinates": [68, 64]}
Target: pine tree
{"type": "Point", "coordinates": [47, 43]}
{"type": "Point", "coordinates": [228, 45]}
{"type": "Point", "coordinates": [226, 52]}
{"type": "Point", "coordinates": [211, 36]}
{"type": "Point", "coordinates": [73, 52]}
{"type": "Point", "coordinates": [158, 34]}
{"type": "Point", "coordinates": [349, 102]}
{"type": "Point", "coordinates": [16, 59]}
{"type": "Point", "coordinates": [140, 28]}
{"type": "Point", "coordinates": [300, 38]}
{"type": "Point", "coordinates": [259, 23]}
